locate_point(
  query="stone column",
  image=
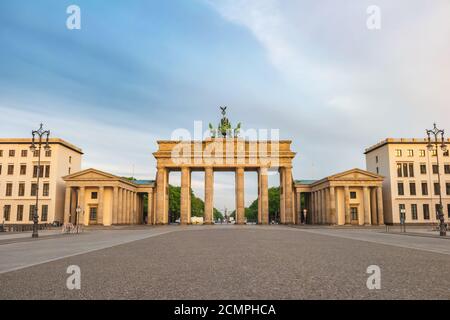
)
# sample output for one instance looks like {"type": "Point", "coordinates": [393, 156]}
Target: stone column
{"type": "Point", "coordinates": [347, 205]}
{"type": "Point", "coordinates": [67, 205]}
{"type": "Point", "coordinates": [282, 195]}
{"type": "Point", "coordinates": [341, 212]}
{"type": "Point", "coordinates": [115, 208]}
{"type": "Point", "coordinates": [125, 206]}
{"type": "Point", "coordinates": [134, 219]}
{"type": "Point", "coordinates": [323, 199]}
{"type": "Point", "coordinates": [313, 207]}
{"type": "Point", "coordinates": [209, 194]}
{"type": "Point", "coordinates": [373, 206]}
{"type": "Point", "coordinates": [333, 219]}
{"type": "Point", "coordinates": [319, 207]}
{"type": "Point", "coordinates": [100, 208]}
{"type": "Point", "coordinates": [84, 217]}
{"type": "Point", "coordinates": [240, 204]}
{"type": "Point", "coordinates": [129, 207]}
{"type": "Point", "coordinates": [121, 206]}
{"type": "Point", "coordinates": [299, 208]}
{"type": "Point", "coordinates": [154, 207]}
{"type": "Point", "coordinates": [150, 212]}
{"type": "Point", "coordinates": [264, 195]}
{"type": "Point", "coordinates": [161, 195]}
{"type": "Point", "coordinates": [259, 197]}
{"type": "Point", "coordinates": [380, 206]}
{"type": "Point", "coordinates": [185, 214]}
{"type": "Point", "coordinates": [288, 207]}
{"type": "Point", "coordinates": [366, 216]}
{"type": "Point", "coordinates": [327, 206]}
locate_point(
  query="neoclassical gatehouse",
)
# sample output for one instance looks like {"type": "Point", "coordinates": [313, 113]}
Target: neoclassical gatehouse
{"type": "Point", "coordinates": [353, 197]}
{"type": "Point", "coordinates": [105, 199]}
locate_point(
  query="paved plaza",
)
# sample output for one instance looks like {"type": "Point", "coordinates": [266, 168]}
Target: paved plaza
{"type": "Point", "coordinates": [225, 262]}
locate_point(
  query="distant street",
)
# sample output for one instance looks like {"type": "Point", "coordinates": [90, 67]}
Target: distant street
{"type": "Point", "coordinates": [226, 262]}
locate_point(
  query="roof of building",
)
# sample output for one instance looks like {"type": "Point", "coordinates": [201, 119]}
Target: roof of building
{"type": "Point", "coordinates": [98, 174]}
{"type": "Point", "coordinates": [50, 141]}
{"type": "Point", "coordinates": [355, 173]}
{"type": "Point", "coordinates": [305, 181]}
{"type": "Point", "coordinates": [143, 181]}
{"type": "Point", "coordinates": [399, 141]}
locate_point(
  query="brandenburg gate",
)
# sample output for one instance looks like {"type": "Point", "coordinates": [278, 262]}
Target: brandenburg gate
{"type": "Point", "coordinates": [224, 154]}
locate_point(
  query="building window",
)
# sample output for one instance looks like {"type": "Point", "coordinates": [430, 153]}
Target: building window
{"type": "Point", "coordinates": [399, 170]}
{"type": "Point", "coordinates": [435, 169]}
{"type": "Point", "coordinates": [354, 213]}
{"type": "Point", "coordinates": [31, 212]}
{"type": "Point", "coordinates": [398, 153]}
{"type": "Point", "coordinates": [401, 208]}
{"type": "Point", "coordinates": [69, 170]}
{"type": "Point", "coordinates": [401, 189]}
{"type": "Point", "coordinates": [405, 170]}
{"type": "Point", "coordinates": [33, 189]}
{"type": "Point", "coordinates": [44, 214]}
{"type": "Point", "coordinates": [48, 153]}
{"type": "Point", "coordinates": [421, 153]}
{"type": "Point", "coordinates": [446, 153]}
{"type": "Point", "coordinates": [352, 195]}
{"type": "Point", "coordinates": [47, 171]}
{"type": "Point", "coordinates": [378, 170]}
{"type": "Point", "coordinates": [24, 153]}
{"type": "Point", "coordinates": [0, 169]}
{"type": "Point", "coordinates": [10, 169]}
{"type": "Point", "coordinates": [6, 212]}
{"type": "Point", "coordinates": [12, 153]}
{"type": "Point", "coordinates": [423, 168]}
{"type": "Point", "coordinates": [20, 212]}
{"type": "Point", "coordinates": [70, 159]}
{"type": "Point", "coordinates": [21, 189]}
{"type": "Point", "coordinates": [424, 188]}
{"type": "Point", "coordinates": [9, 187]}
{"type": "Point", "coordinates": [45, 190]}
{"type": "Point", "coordinates": [411, 170]}
{"type": "Point", "coordinates": [447, 168]}
{"type": "Point", "coordinates": [93, 213]}
{"type": "Point", "coordinates": [36, 153]}
{"type": "Point", "coordinates": [23, 169]}
{"type": "Point", "coordinates": [376, 159]}
{"type": "Point", "coordinates": [414, 211]}
{"type": "Point", "coordinates": [35, 171]}
{"type": "Point", "coordinates": [426, 212]}
{"type": "Point", "coordinates": [1, 153]}
{"type": "Point", "coordinates": [94, 195]}
{"type": "Point", "coordinates": [448, 210]}
{"type": "Point", "coordinates": [447, 188]}
{"type": "Point", "coordinates": [410, 153]}
{"type": "Point", "coordinates": [412, 189]}
{"type": "Point", "coordinates": [434, 153]}
{"type": "Point", "coordinates": [436, 207]}
{"type": "Point", "coordinates": [437, 189]}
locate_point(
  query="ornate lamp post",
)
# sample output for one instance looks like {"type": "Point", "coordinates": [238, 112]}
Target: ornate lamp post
{"type": "Point", "coordinates": [438, 136]}
{"type": "Point", "coordinates": [39, 134]}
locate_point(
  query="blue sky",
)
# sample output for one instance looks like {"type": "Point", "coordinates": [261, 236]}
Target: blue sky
{"type": "Point", "coordinates": [138, 70]}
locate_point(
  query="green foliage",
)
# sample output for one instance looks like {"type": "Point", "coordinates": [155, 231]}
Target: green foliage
{"type": "Point", "coordinates": [197, 204]}
{"type": "Point", "coordinates": [251, 213]}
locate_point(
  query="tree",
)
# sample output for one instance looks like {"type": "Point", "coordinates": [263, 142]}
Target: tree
{"type": "Point", "coordinates": [251, 213]}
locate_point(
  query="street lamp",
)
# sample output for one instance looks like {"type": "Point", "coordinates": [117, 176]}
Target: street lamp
{"type": "Point", "coordinates": [40, 133]}
{"type": "Point", "coordinates": [78, 210]}
{"type": "Point", "coordinates": [305, 216]}
{"type": "Point", "coordinates": [438, 136]}
{"type": "Point", "coordinates": [403, 219]}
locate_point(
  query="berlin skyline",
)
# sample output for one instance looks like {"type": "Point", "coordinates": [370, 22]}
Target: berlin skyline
{"type": "Point", "coordinates": [137, 71]}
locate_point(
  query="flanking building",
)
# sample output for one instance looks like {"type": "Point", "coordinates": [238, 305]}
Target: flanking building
{"type": "Point", "coordinates": [353, 197]}
{"type": "Point", "coordinates": [411, 179]}
{"type": "Point", "coordinates": [18, 177]}
{"type": "Point", "coordinates": [105, 199]}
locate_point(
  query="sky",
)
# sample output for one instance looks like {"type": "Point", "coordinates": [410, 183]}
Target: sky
{"type": "Point", "coordinates": [138, 70]}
